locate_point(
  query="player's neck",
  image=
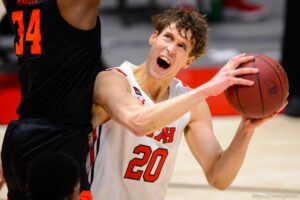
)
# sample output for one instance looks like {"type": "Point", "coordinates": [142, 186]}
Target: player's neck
{"type": "Point", "coordinates": [157, 90]}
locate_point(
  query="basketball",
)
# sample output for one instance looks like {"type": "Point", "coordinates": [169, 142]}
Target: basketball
{"type": "Point", "coordinates": [267, 95]}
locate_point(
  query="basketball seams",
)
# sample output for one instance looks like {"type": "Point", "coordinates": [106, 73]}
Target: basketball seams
{"type": "Point", "coordinates": [238, 100]}
{"type": "Point", "coordinates": [259, 87]}
{"type": "Point", "coordinates": [277, 75]}
{"type": "Point", "coordinates": [271, 80]}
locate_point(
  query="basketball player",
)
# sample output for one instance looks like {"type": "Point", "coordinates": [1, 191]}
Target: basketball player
{"type": "Point", "coordinates": [143, 111]}
{"type": "Point", "coordinates": [58, 47]}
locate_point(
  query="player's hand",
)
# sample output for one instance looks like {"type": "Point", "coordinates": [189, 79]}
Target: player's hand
{"type": "Point", "coordinates": [228, 75]}
{"type": "Point", "coordinates": [252, 124]}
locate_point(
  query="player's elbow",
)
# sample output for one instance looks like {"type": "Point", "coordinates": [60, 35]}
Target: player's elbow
{"type": "Point", "coordinates": [219, 185]}
{"type": "Point", "coordinates": [135, 123]}
{"type": "Point", "coordinates": [217, 182]}
{"type": "Point", "coordinates": [138, 132]}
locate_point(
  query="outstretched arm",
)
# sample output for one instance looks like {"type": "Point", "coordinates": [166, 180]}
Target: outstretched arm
{"type": "Point", "coordinates": [112, 93]}
{"type": "Point", "coordinates": [220, 167]}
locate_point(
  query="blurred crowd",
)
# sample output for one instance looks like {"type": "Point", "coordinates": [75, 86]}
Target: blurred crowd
{"type": "Point", "coordinates": [216, 10]}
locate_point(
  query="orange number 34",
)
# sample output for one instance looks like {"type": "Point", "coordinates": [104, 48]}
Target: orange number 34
{"type": "Point", "coordinates": [33, 32]}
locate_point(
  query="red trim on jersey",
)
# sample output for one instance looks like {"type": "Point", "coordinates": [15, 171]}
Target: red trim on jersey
{"type": "Point", "coordinates": [94, 135]}
{"type": "Point", "coordinates": [92, 151]}
{"type": "Point", "coordinates": [121, 72]}
{"type": "Point", "coordinates": [85, 195]}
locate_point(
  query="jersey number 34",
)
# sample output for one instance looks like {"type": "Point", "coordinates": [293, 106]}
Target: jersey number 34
{"type": "Point", "coordinates": [33, 32]}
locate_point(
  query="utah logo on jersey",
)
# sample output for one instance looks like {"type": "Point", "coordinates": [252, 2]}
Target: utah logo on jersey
{"type": "Point", "coordinates": [139, 95]}
{"type": "Point", "coordinates": [166, 135]}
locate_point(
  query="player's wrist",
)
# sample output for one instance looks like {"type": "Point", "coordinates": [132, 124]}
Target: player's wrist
{"type": "Point", "coordinates": [206, 90]}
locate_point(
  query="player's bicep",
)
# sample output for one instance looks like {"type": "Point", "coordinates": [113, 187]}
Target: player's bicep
{"type": "Point", "coordinates": [112, 92]}
{"type": "Point", "coordinates": [200, 137]}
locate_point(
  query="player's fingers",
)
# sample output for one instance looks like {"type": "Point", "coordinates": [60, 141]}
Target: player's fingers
{"type": "Point", "coordinates": [278, 111]}
{"type": "Point", "coordinates": [282, 107]}
{"type": "Point", "coordinates": [244, 71]}
{"type": "Point", "coordinates": [239, 55]}
{"type": "Point", "coordinates": [237, 61]}
{"type": "Point", "coordinates": [243, 59]}
{"type": "Point", "coordinates": [242, 81]}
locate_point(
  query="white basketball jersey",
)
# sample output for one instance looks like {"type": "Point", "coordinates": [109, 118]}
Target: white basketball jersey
{"type": "Point", "coordinates": [128, 167]}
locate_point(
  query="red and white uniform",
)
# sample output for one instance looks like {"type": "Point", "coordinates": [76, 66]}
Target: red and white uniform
{"type": "Point", "coordinates": [128, 167]}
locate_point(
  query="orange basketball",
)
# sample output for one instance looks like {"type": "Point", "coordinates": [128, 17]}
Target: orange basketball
{"type": "Point", "coordinates": [267, 95]}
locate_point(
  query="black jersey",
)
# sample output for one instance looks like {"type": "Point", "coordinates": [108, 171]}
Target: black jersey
{"type": "Point", "coordinates": [58, 62]}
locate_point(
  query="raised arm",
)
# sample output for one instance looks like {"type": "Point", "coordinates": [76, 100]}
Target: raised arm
{"type": "Point", "coordinates": [220, 167]}
{"type": "Point", "coordinates": [80, 13]}
{"type": "Point", "coordinates": [112, 93]}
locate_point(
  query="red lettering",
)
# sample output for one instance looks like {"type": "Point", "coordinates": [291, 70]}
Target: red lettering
{"type": "Point", "coordinates": [150, 135]}
{"type": "Point", "coordinates": [166, 135]}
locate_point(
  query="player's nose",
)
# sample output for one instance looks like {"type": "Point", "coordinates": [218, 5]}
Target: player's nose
{"type": "Point", "coordinates": [171, 48]}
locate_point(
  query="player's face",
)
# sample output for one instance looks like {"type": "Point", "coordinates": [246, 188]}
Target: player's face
{"type": "Point", "coordinates": [169, 52]}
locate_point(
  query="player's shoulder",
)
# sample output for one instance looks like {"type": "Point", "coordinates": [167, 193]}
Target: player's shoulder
{"type": "Point", "coordinates": [84, 3]}
{"type": "Point", "coordinates": [124, 70]}
{"type": "Point", "coordinates": [80, 14]}
{"type": "Point", "coordinates": [111, 78]}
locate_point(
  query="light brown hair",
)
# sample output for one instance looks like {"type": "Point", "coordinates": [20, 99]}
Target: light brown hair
{"type": "Point", "coordinates": [185, 19]}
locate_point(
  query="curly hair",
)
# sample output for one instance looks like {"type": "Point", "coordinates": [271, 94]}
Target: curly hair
{"type": "Point", "coordinates": [185, 19]}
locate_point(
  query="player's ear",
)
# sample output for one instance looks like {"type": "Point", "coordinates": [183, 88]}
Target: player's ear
{"type": "Point", "coordinates": [153, 37]}
{"type": "Point", "coordinates": [189, 61]}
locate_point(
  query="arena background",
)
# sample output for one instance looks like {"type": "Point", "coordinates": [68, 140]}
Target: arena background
{"type": "Point", "coordinates": [271, 169]}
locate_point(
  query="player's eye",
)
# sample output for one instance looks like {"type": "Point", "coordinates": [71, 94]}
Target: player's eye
{"type": "Point", "coordinates": [182, 46]}
{"type": "Point", "coordinates": [169, 37]}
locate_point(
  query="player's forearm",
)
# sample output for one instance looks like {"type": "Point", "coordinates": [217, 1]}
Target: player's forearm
{"type": "Point", "coordinates": [150, 118]}
{"type": "Point", "coordinates": [230, 161]}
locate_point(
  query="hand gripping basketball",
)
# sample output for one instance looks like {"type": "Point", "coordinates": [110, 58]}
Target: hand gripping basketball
{"type": "Point", "coordinates": [230, 75]}
{"type": "Point", "coordinates": [268, 94]}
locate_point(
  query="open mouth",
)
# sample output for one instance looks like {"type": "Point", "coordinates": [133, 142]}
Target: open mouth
{"type": "Point", "coordinates": [163, 63]}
